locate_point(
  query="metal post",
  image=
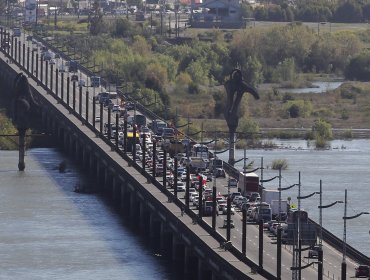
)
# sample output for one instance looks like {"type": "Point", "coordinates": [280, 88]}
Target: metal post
{"type": "Point", "coordinates": [28, 59]}
{"type": "Point", "coordinates": [46, 74]}
{"type": "Point", "coordinates": [214, 207]}
{"type": "Point", "coordinates": [42, 70]}
{"type": "Point", "coordinates": [228, 212]}
{"type": "Point", "coordinates": [23, 55]}
{"type": "Point", "coordinates": [279, 215]}
{"type": "Point", "coordinates": [244, 231]}
{"type": "Point", "coordinates": [80, 100]}
{"type": "Point", "coordinates": [164, 168]}
{"type": "Point", "coordinates": [109, 132]}
{"type": "Point", "coordinates": [93, 112]}
{"type": "Point", "coordinates": [62, 87]}
{"type": "Point", "coordinates": [116, 135]}
{"type": "Point", "coordinates": [344, 264]}
{"type": "Point", "coordinates": [32, 63]}
{"type": "Point", "coordinates": [260, 244]}
{"type": "Point", "coordinates": [51, 78]}
{"type": "Point", "coordinates": [278, 253]}
{"type": "Point", "coordinates": [15, 50]}
{"type": "Point", "coordinates": [125, 136]}
{"type": "Point", "coordinates": [154, 158]}
{"type": "Point", "coordinates": [87, 108]}
{"type": "Point", "coordinates": [56, 82]}
{"type": "Point", "coordinates": [144, 151]}
{"type": "Point", "coordinates": [134, 144]}
{"type": "Point", "coordinates": [175, 177]}
{"type": "Point", "coordinates": [101, 119]}
{"type": "Point", "coordinates": [74, 96]}
{"type": "Point", "coordinates": [37, 66]}
{"type": "Point", "coordinates": [187, 186]}
{"type": "Point", "coordinates": [200, 212]}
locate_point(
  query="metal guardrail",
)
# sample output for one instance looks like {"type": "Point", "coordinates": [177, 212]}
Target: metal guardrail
{"type": "Point", "coordinates": [232, 171]}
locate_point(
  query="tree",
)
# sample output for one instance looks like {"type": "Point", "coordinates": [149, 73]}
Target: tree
{"type": "Point", "coordinates": [349, 11]}
{"type": "Point", "coordinates": [359, 67]}
{"type": "Point", "coordinates": [322, 129]}
{"type": "Point", "coordinates": [95, 18]}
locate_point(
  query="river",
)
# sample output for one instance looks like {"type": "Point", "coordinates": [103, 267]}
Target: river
{"type": "Point", "coordinates": [345, 165]}
{"type": "Point", "coordinates": [50, 232]}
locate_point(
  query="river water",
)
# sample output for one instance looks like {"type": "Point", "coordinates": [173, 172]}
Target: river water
{"type": "Point", "coordinates": [50, 232]}
{"type": "Point", "coordinates": [317, 87]}
{"type": "Point", "coordinates": [345, 165]}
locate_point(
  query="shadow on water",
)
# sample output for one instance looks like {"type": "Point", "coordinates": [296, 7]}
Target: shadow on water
{"type": "Point", "coordinates": [125, 240]}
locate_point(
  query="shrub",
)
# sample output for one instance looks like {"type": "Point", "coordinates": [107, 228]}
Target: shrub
{"type": "Point", "coordinates": [279, 164]}
{"type": "Point", "coordinates": [347, 134]}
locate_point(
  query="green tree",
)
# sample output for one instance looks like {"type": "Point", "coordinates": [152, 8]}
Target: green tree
{"type": "Point", "coordinates": [359, 67]}
{"type": "Point", "coordinates": [322, 129]}
{"type": "Point", "coordinates": [349, 11]}
{"type": "Point", "coordinates": [96, 24]}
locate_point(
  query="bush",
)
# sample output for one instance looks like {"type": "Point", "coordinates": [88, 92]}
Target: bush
{"type": "Point", "coordinates": [279, 164]}
{"type": "Point", "coordinates": [193, 88]}
{"type": "Point", "coordinates": [347, 134]}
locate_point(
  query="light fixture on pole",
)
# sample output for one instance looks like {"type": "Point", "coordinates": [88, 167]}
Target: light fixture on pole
{"type": "Point", "coordinates": [345, 218]}
{"type": "Point", "coordinates": [320, 253]}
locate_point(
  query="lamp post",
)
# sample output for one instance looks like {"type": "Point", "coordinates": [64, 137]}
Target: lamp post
{"type": "Point", "coordinates": [321, 257]}
{"type": "Point", "coordinates": [345, 218]}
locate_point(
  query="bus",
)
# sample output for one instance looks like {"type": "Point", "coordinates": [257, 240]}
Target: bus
{"type": "Point", "coordinates": [200, 150]}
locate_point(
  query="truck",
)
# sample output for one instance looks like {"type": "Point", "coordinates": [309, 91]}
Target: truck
{"type": "Point", "coordinates": [261, 211]}
{"type": "Point", "coordinates": [275, 209]}
{"type": "Point", "coordinates": [248, 183]}
{"type": "Point", "coordinates": [269, 195]}
{"type": "Point", "coordinates": [197, 164]}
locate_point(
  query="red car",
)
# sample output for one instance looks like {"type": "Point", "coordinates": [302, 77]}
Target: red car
{"type": "Point", "coordinates": [362, 271]}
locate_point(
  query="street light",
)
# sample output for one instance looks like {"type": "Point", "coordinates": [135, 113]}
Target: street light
{"type": "Point", "coordinates": [345, 218]}
{"type": "Point", "coordinates": [321, 257]}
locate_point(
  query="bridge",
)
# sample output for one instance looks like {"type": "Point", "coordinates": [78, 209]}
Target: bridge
{"type": "Point", "coordinates": [68, 113]}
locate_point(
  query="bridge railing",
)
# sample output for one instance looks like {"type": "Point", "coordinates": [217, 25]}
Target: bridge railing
{"type": "Point", "coordinates": [327, 236]}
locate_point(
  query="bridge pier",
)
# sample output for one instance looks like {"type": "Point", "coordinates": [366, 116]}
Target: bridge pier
{"type": "Point", "coordinates": [178, 252]}
{"type": "Point", "coordinates": [116, 191]}
{"type": "Point", "coordinates": [190, 262]}
{"type": "Point", "coordinates": [154, 231]}
{"type": "Point", "coordinates": [165, 240]}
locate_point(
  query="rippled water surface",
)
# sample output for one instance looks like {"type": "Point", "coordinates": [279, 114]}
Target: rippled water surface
{"type": "Point", "coordinates": [345, 166]}
{"type": "Point", "coordinates": [50, 232]}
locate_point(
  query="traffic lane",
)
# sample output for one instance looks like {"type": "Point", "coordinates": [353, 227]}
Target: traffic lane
{"type": "Point", "coordinates": [269, 252]}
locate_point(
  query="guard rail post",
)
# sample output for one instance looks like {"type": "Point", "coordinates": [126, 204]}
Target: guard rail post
{"type": "Point", "coordinates": [74, 96]}
{"type": "Point", "coordinates": [19, 52]}
{"type": "Point", "coordinates": [134, 143]}
{"type": "Point", "coordinates": [87, 107]}
{"type": "Point", "coordinates": [28, 59]}
{"type": "Point", "coordinates": [23, 55]}
{"type": "Point", "coordinates": [154, 159]}
{"type": "Point", "coordinates": [15, 49]}
{"type": "Point", "coordinates": [80, 101]}
{"type": "Point", "coordinates": [214, 207]}
{"type": "Point", "coordinates": [101, 119]}
{"type": "Point", "coordinates": [260, 245]}
{"type": "Point", "coordinates": [175, 177]}
{"type": "Point", "coordinates": [51, 78]}
{"type": "Point", "coordinates": [46, 75]}
{"type": "Point", "coordinates": [278, 253]}
{"type": "Point", "coordinates": [116, 135]}
{"type": "Point", "coordinates": [68, 87]}
{"type": "Point", "coordinates": [200, 199]}
{"type": "Point", "coordinates": [187, 186]}
{"type": "Point", "coordinates": [125, 136]}
{"type": "Point", "coordinates": [42, 71]}
{"type": "Point", "coordinates": [37, 68]}
{"type": "Point", "coordinates": [244, 231]}
{"type": "Point", "coordinates": [32, 63]}
{"type": "Point", "coordinates": [144, 152]}
{"type": "Point", "coordinates": [164, 168]}
{"type": "Point", "coordinates": [62, 87]}
{"type": "Point", "coordinates": [93, 113]}
{"type": "Point", "coordinates": [109, 124]}
{"type": "Point", "coordinates": [57, 84]}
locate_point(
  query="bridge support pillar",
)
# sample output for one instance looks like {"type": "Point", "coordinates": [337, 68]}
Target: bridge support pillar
{"type": "Point", "coordinates": [134, 206]}
{"type": "Point", "coordinates": [143, 218]}
{"type": "Point", "coordinates": [165, 239]}
{"type": "Point", "coordinates": [115, 191]}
